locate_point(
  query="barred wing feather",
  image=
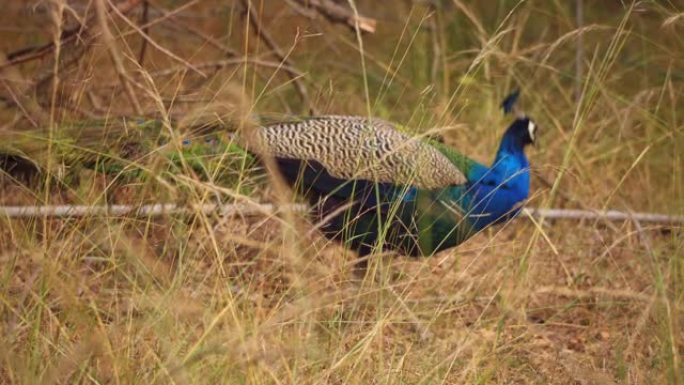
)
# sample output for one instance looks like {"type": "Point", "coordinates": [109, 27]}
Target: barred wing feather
{"type": "Point", "coordinates": [351, 147]}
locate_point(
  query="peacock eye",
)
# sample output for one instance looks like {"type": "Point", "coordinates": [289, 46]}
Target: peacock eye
{"type": "Point", "coordinates": [532, 130]}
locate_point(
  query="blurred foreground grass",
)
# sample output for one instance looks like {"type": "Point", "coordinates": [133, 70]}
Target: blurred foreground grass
{"type": "Point", "coordinates": [202, 299]}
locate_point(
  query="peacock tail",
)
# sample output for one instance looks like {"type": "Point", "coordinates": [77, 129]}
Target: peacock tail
{"type": "Point", "coordinates": [125, 147]}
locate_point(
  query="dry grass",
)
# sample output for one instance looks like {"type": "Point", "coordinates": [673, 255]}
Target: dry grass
{"type": "Point", "coordinates": [201, 299]}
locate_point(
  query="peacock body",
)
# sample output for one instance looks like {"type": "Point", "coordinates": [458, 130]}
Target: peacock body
{"type": "Point", "coordinates": [371, 185]}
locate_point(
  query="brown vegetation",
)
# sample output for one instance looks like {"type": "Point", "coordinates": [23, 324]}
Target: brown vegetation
{"type": "Point", "coordinates": [264, 299]}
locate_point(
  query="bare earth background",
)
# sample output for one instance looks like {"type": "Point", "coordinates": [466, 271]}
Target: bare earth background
{"type": "Point", "coordinates": [266, 300]}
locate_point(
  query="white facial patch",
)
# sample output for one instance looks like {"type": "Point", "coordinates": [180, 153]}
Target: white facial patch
{"type": "Point", "coordinates": [532, 128]}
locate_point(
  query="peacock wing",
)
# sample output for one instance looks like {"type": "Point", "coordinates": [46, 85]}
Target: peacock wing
{"type": "Point", "coordinates": [351, 147]}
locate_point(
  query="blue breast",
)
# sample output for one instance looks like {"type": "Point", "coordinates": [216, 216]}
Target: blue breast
{"type": "Point", "coordinates": [492, 195]}
{"type": "Point", "coordinates": [495, 194]}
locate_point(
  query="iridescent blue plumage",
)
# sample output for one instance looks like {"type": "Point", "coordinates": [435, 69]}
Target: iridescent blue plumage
{"type": "Point", "coordinates": [495, 193]}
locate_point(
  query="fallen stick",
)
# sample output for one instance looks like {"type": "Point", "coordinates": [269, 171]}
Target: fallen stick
{"type": "Point", "coordinates": [150, 210]}
{"type": "Point", "coordinates": [234, 209]}
{"type": "Point", "coordinates": [611, 215]}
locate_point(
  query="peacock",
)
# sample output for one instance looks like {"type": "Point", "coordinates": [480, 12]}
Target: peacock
{"type": "Point", "coordinates": [370, 185]}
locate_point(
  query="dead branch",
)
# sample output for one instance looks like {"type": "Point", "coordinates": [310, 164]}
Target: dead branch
{"type": "Point", "coordinates": [254, 209]}
{"type": "Point", "coordinates": [27, 54]}
{"type": "Point", "coordinates": [611, 215]}
{"type": "Point", "coordinates": [339, 14]}
{"type": "Point", "coordinates": [73, 43]}
{"type": "Point", "coordinates": [79, 33]}
{"type": "Point", "coordinates": [146, 30]}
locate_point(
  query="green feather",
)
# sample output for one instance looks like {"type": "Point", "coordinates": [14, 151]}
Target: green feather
{"type": "Point", "coordinates": [129, 148]}
{"type": "Point", "coordinates": [459, 160]}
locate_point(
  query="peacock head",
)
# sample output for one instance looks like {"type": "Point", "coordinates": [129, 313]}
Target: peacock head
{"type": "Point", "coordinates": [520, 133]}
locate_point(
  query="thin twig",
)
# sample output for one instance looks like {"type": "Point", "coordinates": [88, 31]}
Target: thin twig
{"type": "Point", "coordinates": [146, 31]}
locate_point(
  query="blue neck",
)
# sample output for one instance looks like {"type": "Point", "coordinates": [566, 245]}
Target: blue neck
{"type": "Point", "coordinates": [511, 144]}
{"type": "Point", "coordinates": [494, 192]}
